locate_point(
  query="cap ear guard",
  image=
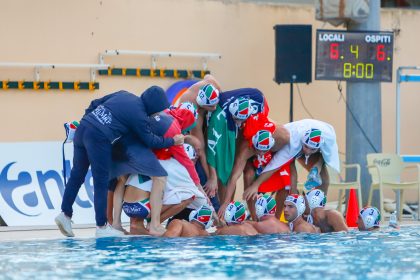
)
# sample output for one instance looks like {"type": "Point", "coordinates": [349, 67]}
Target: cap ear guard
{"type": "Point", "coordinates": [70, 129]}
{"type": "Point", "coordinates": [235, 213]}
{"type": "Point", "coordinates": [263, 140]}
{"type": "Point", "coordinates": [192, 154]}
{"type": "Point", "coordinates": [260, 208]}
{"type": "Point", "coordinates": [209, 224]}
{"type": "Point", "coordinates": [299, 203]}
{"type": "Point", "coordinates": [316, 198]}
{"type": "Point", "coordinates": [241, 108]}
{"type": "Point", "coordinates": [313, 138]}
{"type": "Point", "coordinates": [203, 215]}
{"type": "Point", "coordinates": [193, 215]}
{"type": "Point", "coordinates": [265, 205]}
{"type": "Point", "coordinates": [189, 106]}
{"type": "Point", "coordinates": [371, 217]}
{"type": "Point", "coordinates": [207, 95]}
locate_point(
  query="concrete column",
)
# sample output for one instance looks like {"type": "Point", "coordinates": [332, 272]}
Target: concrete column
{"type": "Point", "coordinates": [364, 100]}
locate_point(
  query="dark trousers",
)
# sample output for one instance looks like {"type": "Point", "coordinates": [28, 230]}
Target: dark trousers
{"type": "Point", "coordinates": [91, 147]}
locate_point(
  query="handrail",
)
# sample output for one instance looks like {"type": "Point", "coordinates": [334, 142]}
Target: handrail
{"type": "Point", "coordinates": [37, 66]}
{"type": "Point", "coordinates": [155, 54]}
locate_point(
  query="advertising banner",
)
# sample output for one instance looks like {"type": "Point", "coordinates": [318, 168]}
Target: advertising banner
{"type": "Point", "coordinates": [32, 184]}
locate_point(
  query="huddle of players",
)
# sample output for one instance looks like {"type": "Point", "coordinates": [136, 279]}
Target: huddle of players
{"type": "Point", "coordinates": [303, 214]}
{"type": "Point", "coordinates": [316, 220]}
{"type": "Point", "coordinates": [218, 123]}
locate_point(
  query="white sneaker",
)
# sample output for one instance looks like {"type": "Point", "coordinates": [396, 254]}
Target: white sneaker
{"type": "Point", "coordinates": [108, 231]}
{"type": "Point", "coordinates": [64, 224]}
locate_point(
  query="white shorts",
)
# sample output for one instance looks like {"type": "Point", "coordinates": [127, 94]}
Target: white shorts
{"type": "Point", "coordinates": [179, 185]}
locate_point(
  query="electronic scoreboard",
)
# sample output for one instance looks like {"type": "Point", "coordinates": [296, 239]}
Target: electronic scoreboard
{"type": "Point", "coordinates": [354, 56]}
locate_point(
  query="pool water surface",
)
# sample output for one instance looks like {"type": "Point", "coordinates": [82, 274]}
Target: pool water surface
{"type": "Point", "coordinates": [355, 255]}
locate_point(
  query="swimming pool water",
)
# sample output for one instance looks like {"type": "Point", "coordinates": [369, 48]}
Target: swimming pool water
{"type": "Point", "coordinates": [355, 255]}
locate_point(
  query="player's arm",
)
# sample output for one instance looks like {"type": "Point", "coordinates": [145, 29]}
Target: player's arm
{"type": "Point", "coordinates": [252, 191]}
{"type": "Point", "coordinates": [210, 79]}
{"type": "Point", "coordinates": [142, 128]}
{"type": "Point", "coordinates": [241, 157]}
{"type": "Point", "coordinates": [293, 177]}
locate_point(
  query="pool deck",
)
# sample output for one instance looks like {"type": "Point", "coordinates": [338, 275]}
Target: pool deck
{"type": "Point", "coordinates": [80, 231]}
{"type": "Point", "coordinates": [42, 232]}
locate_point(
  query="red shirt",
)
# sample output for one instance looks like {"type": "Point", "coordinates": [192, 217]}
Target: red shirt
{"type": "Point", "coordinates": [183, 119]}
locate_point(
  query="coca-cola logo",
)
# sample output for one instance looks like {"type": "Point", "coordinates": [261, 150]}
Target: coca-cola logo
{"type": "Point", "coordinates": [382, 162]}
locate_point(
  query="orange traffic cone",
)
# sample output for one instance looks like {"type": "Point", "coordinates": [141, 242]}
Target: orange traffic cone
{"type": "Point", "coordinates": [352, 210]}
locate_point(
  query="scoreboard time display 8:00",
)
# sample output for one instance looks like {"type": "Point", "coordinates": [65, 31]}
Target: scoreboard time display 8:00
{"type": "Point", "coordinates": [354, 56]}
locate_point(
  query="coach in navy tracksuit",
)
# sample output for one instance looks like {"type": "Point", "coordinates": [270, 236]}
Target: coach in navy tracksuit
{"type": "Point", "coordinates": [105, 121]}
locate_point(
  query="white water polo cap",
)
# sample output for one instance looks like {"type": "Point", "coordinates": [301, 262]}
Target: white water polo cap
{"type": "Point", "coordinates": [316, 199]}
{"type": "Point", "coordinates": [313, 138]}
{"type": "Point", "coordinates": [192, 154]}
{"type": "Point", "coordinates": [370, 216]}
{"type": "Point", "coordinates": [235, 213]}
{"type": "Point", "coordinates": [241, 108]}
{"type": "Point", "coordinates": [265, 205]}
{"type": "Point", "coordinates": [299, 203]}
{"type": "Point", "coordinates": [189, 106]}
{"type": "Point", "coordinates": [263, 140]}
{"type": "Point", "coordinates": [208, 95]}
{"type": "Point", "coordinates": [203, 215]}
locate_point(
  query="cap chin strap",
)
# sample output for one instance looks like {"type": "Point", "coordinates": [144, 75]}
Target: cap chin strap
{"type": "Point", "coordinates": [209, 224]}
{"type": "Point", "coordinates": [191, 216]}
{"type": "Point", "coordinates": [291, 224]}
{"type": "Point", "coordinates": [310, 219]}
{"type": "Point", "coordinates": [306, 159]}
{"type": "Point", "coordinates": [195, 212]}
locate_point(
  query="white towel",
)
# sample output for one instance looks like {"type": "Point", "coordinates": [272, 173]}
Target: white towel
{"type": "Point", "coordinates": [329, 148]}
{"type": "Point", "coordinates": [179, 185]}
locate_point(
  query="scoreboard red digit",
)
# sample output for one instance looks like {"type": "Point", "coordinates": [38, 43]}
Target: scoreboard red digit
{"type": "Point", "coordinates": [354, 56]}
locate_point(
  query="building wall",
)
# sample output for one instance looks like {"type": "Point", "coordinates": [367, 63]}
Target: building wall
{"type": "Point", "coordinates": [58, 31]}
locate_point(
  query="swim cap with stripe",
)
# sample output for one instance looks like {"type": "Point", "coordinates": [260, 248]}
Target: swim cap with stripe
{"type": "Point", "coordinates": [299, 203]}
{"type": "Point", "coordinates": [313, 138]}
{"type": "Point", "coordinates": [241, 108]}
{"type": "Point", "coordinates": [235, 213]}
{"type": "Point", "coordinates": [190, 151]}
{"type": "Point", "coordinates": [316, 198]}
{"type": "Point", "coordinates": [263, 140]}
{"type": "Point", "coordinates": [203, 215]}
{"type": "Point", "coordinates": [189, 106]}
{"type": "Point", "coordinates": [370, 216]}
{"type": "Point", "coordinates": [265, 205]}
{"type": "Point", "coordinates": [208, 95]}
